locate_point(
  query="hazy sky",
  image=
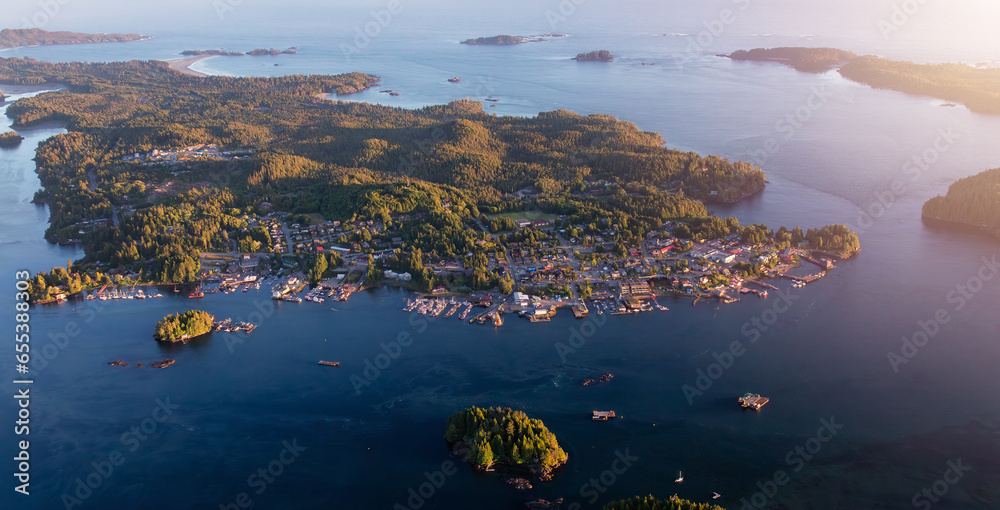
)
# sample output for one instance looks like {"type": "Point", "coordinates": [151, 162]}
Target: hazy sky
{"type": "Point", "coordinates": [952, 23]}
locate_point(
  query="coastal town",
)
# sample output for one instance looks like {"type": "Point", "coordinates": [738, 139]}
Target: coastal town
{"type": "Point", "coordinates": [564, 268]}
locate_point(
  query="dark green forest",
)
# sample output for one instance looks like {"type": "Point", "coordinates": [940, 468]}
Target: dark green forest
{"type": "Point", "coordinates": [651, 503]}
{"type": "Point", "coordinates": [348, 161]}
{"type": "Point", "coordinates": [599, 55]}
{"type": "Point", "coordinates": [496, 40]}
{"type": "Point", "coordinates": [182, 326]}
{"type": "Point", "coordinates": [505, 436]}
{"type": "Point", "coordinates": [973, 200]}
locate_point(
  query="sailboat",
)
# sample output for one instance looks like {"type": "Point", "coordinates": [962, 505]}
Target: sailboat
{"type": "Point", "coordinates": [680, 477]}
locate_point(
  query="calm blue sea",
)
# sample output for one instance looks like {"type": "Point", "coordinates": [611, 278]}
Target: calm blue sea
{"type": "Point", "coordinates": [832, 151]}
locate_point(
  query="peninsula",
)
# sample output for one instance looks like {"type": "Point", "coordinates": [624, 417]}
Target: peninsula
{"type": "Point", "coordinates": [972, 201]}
{"type": "Point", "coordinates": [183, 326]}
{"type": "Point", "coordinates": [599, 56]}
{"type": "Point", "coordinates": [978, 89]}
{"type": "Point", "coordinates": [505, 436]}
{"type": "Point", "coordinates": [13, 38]}
{"type": "Point", "coordinates": [445, 197]}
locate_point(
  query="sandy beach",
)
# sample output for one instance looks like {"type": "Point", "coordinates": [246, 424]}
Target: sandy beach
{"type": "Point", "coordinates": [183, 65]}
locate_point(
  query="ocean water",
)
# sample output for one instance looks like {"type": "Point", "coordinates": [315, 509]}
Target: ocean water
{"type": "Point", "coordinates": [820, 353]}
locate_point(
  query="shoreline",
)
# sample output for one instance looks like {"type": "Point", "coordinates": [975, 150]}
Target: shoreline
{"type": "Point", "coordinates": [183, 65]}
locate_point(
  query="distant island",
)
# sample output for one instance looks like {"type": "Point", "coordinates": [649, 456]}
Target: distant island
{"type": "Point", "coordinates": [497, 40]}
{"type": "Point", "coordinates": [599, 56]}
{"type": "Point", "coordinates": [183, 326]}
{"type": "Point", "coordinates": [973, 201]}
{"type": "Point", "coordinates": [10, 139]}
{"type": "Point", "coordinates": [978, 89]}
{"type": "Point", "coordinates": [13, 38]}
{"type": "Point", "coordinates": [224, 53]}
{"type": "Point", "coordinates": [807, 60]}
{"type": "Point", "coordinates": [506, 436]}
{"type": "Point", "coordinates": [500, 40]}
{"type": "Point", "coordinates": [651, 503]}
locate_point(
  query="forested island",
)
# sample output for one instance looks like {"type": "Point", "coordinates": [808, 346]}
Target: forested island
{"type": "Point", "coordinates": [183, 326]}
{"type": "Point", "coordinates": [497, 40]}
{"type": "Point", "coordinates": [10, 139]}
{"type": "Point", "coordinates": [12, 38]}
{"type": "Point", "coordinates": [651, 503]}
{"type": "Point", "coordinates": [505, 436]}
{"type": "Point", "coordinates": [599, 56]}
{"type": "Point", "coordinates": [808, 60]}
{"type": "Point", "coordinates": [978, 89]}
{"type": "Point", "coordinates": [973, 201]}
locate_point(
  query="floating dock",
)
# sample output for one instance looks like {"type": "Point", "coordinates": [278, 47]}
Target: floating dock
{"type": "Point", "coordinates": [753, 401]}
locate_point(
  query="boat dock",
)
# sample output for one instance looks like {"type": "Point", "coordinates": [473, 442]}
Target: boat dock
{"type": "Point", "coordinates": [753, 401]}
{"type": "Point", "coordinates": [229, 326]}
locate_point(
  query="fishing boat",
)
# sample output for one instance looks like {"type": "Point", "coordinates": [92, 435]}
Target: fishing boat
{"type": "Point", "coordinates": [680, 477]}
{"type": "Point", "coordinates": [330, 363]}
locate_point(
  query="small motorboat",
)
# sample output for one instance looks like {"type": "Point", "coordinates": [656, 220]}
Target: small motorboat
{"type": "Point", "coordinates": [680, 477]}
